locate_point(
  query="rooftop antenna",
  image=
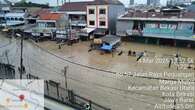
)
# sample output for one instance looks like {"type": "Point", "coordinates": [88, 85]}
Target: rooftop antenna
{"type": "Point", "coordinates": [63, 1]}
{"type": "Point", "coordinates": [57, 2]}
{"type": "Point", "coordinates": [69, 22]}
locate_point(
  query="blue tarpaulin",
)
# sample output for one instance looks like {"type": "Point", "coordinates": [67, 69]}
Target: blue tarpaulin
{"type": "Point", "coordinates": [106, 47]}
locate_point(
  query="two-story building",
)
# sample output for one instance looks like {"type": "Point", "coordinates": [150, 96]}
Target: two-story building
{"type": "Point", "coordinates": [76, 12]}
{"type": "Point", "coordinates": [158, 28]}
{"type": "Point", "coordinates": [48, 23]}
{"type": "Point", "coordinates": [4, 8]}
{"type": "Point", "coordinates": [102, 16]}
{"type": "Point", "coordinates": [15, 18]}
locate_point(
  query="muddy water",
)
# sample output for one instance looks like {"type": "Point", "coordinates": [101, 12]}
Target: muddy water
{"type": "Point", "coordinates": [105, 88]}
{"type": "Point", "coordinates": [123, 63]}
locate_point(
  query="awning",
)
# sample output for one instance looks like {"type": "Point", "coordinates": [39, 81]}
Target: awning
{"type": "Point", "coordinates": [111, 39]}
{"type": "Point", "coordinates": [14, 23]}
{"type": "Point", "coordinates": [100, 31]}
{"type": "Point", "coordinates": [86, 31]}
{"type": "Point", "coordinates": [76, 13]}
{"type": "Point", "coordinates": [134, 32]}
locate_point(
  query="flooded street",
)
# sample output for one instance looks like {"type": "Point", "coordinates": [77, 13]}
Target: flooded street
{"type": "Point", "coordinates": [95, 76]}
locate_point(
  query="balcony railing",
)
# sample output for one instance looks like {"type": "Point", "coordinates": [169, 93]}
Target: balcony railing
{"type": "Point", "coordinates": [78, 23]}
{"type": "Point", "coordinates": [168, 32]}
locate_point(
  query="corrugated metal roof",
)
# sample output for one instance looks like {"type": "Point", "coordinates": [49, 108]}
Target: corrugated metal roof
{"type": "Point", "coordinates": [111, 39]}
{"type": "Point", "coordinates": [75, 6]}
{"type": "Point", "coordinates": [158, 15]}
{"type": "Point", "coordinates": [107, 2]}
{"type": "Point", "coordinates": [81, 6]}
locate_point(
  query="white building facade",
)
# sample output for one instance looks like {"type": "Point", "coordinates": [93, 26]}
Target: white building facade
{"type": "Point", "coordinates": [97, 16]}
{"type": "Point", "coordinates": [104, 15]}
{"type": "Point", "coordinates": [15, 18]}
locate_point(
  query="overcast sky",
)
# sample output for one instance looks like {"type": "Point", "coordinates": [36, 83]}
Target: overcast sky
{"type": "Point", "coordinates": [53, 2]}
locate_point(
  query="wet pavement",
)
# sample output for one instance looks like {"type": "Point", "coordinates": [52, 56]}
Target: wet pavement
{"type": "Point", "coordinates": [95, 76]}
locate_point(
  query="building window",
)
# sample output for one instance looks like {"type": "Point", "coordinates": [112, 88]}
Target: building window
{"type": "Point", "coordinates": [92, 23]}
{"type": "Point", "coordinates": [102, 23]}
{"type": "Point", "coordinates": [7, 18]}
{"type": "Point", "coordinates": [163, 26]}
{"type": "Point", "coordinates": [91, 11]}
{"type": "Point", "coordinates": [21, 19]}
{"type": "Point", "coordinates": [50, 24]}
{"type": "Point", "coordinates": [102, 11]}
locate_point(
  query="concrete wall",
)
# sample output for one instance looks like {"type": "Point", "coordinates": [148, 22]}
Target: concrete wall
{"type": "Point", "coordinates": [110, 18]}
{"type": "Point", "coordinates": [114, 12]}
{"type": "Point", "coordinates": [123, 26]}
{"type": "Point", "coordinates": [96, 16]}
{"type": "Point", "coordinates": [102, 17]}
{"type": "Point", "coordinates": [62, 22]}
{"type": "Point", "coordinates": [92, 17]}
{"type": "Point", "coordinates": [167, 30]}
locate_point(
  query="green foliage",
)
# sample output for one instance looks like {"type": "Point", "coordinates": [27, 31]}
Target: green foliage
{"type": "Point", "coordinates": [23, 3]}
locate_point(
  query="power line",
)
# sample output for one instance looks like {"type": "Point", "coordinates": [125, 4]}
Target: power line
{"type": "Point", "coordinates": [120, 94]}
{"type": "Point", "coordinates": [56, 69]}
{"type": "Point", "coordinates": [8, 44]}
{"type": "Point", "coordinates": [102, 70]}
{"type": "Point", "coordinates": [82, 65]}
{"type": "Point", "coordinates": [92, 83]}
{"type": "Point", "coordinates": [112, 88]}
{"type": "Point", "coordinates": [104, 86]}
{"type": "Point", "coordinates": [5, 45]}
{"type": "Point", "coordinates": [44, 66]}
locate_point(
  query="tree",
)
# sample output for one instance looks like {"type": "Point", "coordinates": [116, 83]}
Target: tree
{"type": "Point", "coordinates": [23, 1]}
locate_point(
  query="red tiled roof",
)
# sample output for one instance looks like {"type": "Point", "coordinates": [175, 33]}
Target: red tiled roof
{"type": "Point", "coordinates": [40, 12]}
{"type": "Point", "coordinates": [50, 16]}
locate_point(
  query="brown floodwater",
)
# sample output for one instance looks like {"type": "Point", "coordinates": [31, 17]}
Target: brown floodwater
{"type": "Point", "coordinates": [93, 74]}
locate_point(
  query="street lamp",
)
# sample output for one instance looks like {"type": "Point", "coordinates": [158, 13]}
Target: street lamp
{"type": "Point", "coordinates": [22, 68]}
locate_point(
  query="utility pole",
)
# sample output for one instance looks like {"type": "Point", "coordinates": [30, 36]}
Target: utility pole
{"type": "Point", "coordinates": [21, 69]}
{"type": "Point", "coordinates": [69, 22]}
{"type": "Point", "coordinates": [65, 76]}
{"type": "Point", "coordinates": [6, 55]}
{"type": "Point", "coordinates": [21, 58]}
{"type": "Point", "coordinates": [174, 103]}
{"type": "Point", "coordinates": [57, 2]}
{"type": "Point", "coordinates": [62, 2]}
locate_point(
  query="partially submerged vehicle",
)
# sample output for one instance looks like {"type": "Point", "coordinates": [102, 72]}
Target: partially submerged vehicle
{"type": "Point", "coordinates": [107, 43]}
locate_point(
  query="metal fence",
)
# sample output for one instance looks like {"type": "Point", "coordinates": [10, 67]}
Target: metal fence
{"type": "Point", "coordinates": [55, 91]}
{"type": "Point", "coordinates": [7, 71]}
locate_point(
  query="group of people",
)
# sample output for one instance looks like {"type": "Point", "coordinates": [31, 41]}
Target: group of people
{"type": "Point", "coordinates": [177, 56]}
{"type": "Point", "coordinates": [131, 53]}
